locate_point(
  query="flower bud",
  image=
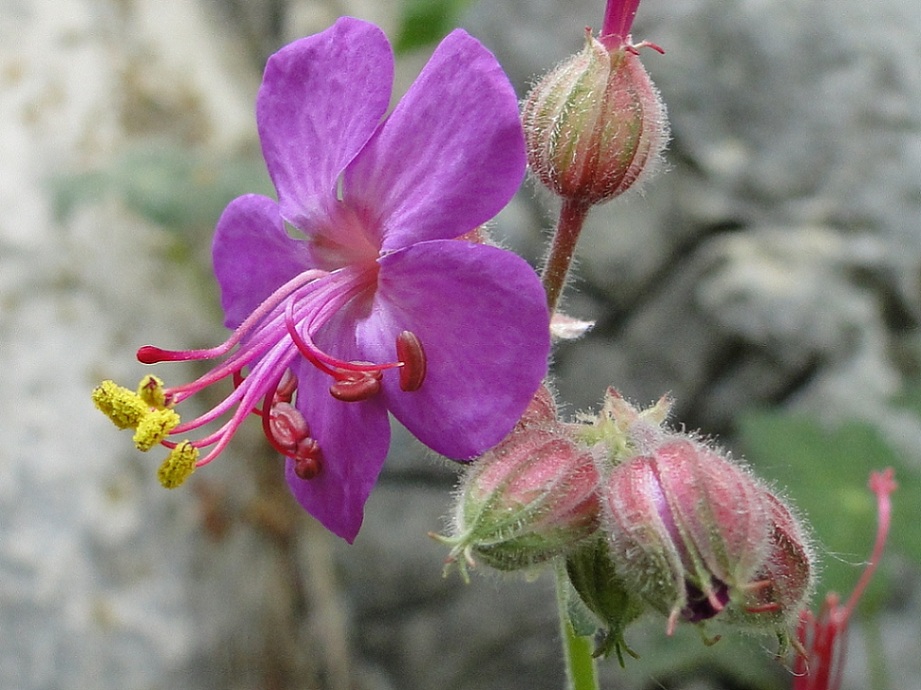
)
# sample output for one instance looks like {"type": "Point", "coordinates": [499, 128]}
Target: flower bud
{"type": "Point", "coordinates": [541, 409]}
{"type": "Point", "coordinates": [530, 499]}
{"type": "Point", "coordinates": [784, 583]}
{"type": "Point", "coordinates": [624, 431]}
{"type": "Point", "coordinates": [595, 125]}
{"type": "Point", "coordinates": [688, 528]}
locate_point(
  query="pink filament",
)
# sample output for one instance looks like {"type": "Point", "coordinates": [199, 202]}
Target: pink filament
{"type": "Point", "coordinates": [823, 638]}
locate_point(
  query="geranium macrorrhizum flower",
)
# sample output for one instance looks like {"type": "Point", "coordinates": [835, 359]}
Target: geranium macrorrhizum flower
{"type": "Point", "coordinates": [370, 303]}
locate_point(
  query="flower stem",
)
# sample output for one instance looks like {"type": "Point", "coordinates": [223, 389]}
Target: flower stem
{"type": "Point", "coordinates": [572, 218]}
{"type": "Point", "coordinates": [580, 664]}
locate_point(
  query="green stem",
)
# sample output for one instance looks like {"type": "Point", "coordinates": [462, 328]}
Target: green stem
{"type": "Point", "coordinates": [562, 247]}
{"type": "Point", "coordinates": [580, 664]}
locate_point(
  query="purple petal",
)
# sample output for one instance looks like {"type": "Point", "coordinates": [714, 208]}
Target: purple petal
{"type": "Point", "coordinates": [480, 313]}
{"type": "Point", "coordinates": [353, 437]}
{"type": "Point", "coordinates": [449, 157]}
{"type": "Point", "coordinates": [253, 255]}
{"type": "Point", "coordinates": [320, 100]}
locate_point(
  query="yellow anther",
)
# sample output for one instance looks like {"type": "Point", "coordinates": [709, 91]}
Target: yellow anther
{"type": "Point", "coordinates": [125, 408]}
{"type": "Point", "coordinates": [150, 390]}
{"type": "Point", "coordinates": [153, 427]}
{"type": "Point", "coordinates": [178, 466]}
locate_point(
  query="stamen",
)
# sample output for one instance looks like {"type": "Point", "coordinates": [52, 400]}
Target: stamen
{"type": "Point", "coordinates": [355, 388]}
{"type": "Point", "coordinates": [412, 357]}
{"type": "Point", "coordinates": [287, 430]}
{"type": "Point", "coordinates": [270, 368]}
{"type": "Point", "coordinates": [178, 466]}
{"type": "Point", "coordinates": [635, 47]}
{"type": "Point", "coordinates": [337, 368]}
{"type": "Point", "coordinates": [286, 387]}
{"type": "Point", "coordinates": [287, 426]}
{"type": "Point", "coordinates": [151, 391]}
{"type": "Point", "coordinates": [356, 381]}
{"type": "Point", "coordinates": [154, 427]}
{"type": "Point", "coordinates": [716, 601]}
{"type": "Point", "coordinates": [307, 463]}
{"type": "Point", "coordinates": [822, 639]}
{"type": "Point", "coordinates": [123, 407]}
{"type": "Point", "coordinates": [771, 607]}
{"type": "Point", "coordinates": [763, 608]}
{"type": "Point", "coordinates": [151, 354]}
{"type": "Point", "coordinates": [259, 347]}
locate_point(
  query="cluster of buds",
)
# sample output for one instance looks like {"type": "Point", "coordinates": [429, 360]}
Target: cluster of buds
{"type": "Point", "coordinates": [646, 519]}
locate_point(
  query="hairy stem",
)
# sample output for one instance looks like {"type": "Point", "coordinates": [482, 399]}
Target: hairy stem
{"type": "Point", "coordinates": [577, 650]}
{"type": "Point", "coordinates": [562, 247]}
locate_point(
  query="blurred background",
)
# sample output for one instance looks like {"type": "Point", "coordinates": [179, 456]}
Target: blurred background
{"type": "Point", "coordinates": [770, 280]}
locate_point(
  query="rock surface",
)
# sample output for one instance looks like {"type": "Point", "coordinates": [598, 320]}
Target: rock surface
{"type": "Point", "coordinates": [778, 261]}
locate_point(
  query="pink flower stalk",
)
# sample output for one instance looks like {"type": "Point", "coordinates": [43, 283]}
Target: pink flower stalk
{"type": "Point", "coordinates": [618, 20]}
{"type": "Point", "coordinates": [823, 638]}
{"type": "Point", "coordinates": [615, 28]}
{"type": "Point", "coordinates": [351, 296]}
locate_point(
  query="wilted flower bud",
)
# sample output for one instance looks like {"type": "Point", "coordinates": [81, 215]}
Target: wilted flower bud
{"type": "Point", "coordinates": [687, 528]}
{"type": "Point", "coordinates": [595, 125]}
{"type": "Point", "coordinates": [531, 498]}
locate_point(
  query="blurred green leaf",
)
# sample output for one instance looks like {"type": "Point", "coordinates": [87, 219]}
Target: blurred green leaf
{"type": "Point", "coordinates": [825, 471]}
{"type": "Point", "coordinates": [910, 399]}
{"type": "Point", "coordinates": [424, 22]}
{"type": "Point", "coordinates": [736, 661]}
{"type": "Point", "coordinates": [171, 186]}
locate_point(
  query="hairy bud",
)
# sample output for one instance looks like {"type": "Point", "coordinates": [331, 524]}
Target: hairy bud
{"type": "Point", "coordinates": [595, 125]}
{"type": "Point", "coordinates": [784, 582]}
{"type": "Point", "coordinates": [687, 528]}
{"type": "Point", "coordinates": [530, 499]}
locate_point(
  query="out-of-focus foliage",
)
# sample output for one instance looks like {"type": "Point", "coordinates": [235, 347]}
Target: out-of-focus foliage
{"type": "Point", "coordinates": [734, 661]}
{"type": "Point", "coordinates": [825, 470]}
{"type": "Point", "coordinates": [168, 185]}
{"type": "Point", "coordinates": [423, 22]}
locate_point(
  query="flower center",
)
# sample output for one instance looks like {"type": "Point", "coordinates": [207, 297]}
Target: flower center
{"type": "Point", "coordinates": [265, 346]}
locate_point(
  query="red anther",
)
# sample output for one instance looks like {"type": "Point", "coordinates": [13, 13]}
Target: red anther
{"type": "Point", "coordinates": [286, 387]}
{"type": "Point", "coordinates": [287, 425]}
{"type": "Point", "coordinates": [307, 463]}
{"type": "Point", "coordinates": [412, 357]}
{"type": "Point", "coordinates": [356, 389]}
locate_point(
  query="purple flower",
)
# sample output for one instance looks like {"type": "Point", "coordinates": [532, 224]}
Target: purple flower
{"type": "Point", "coordinates": [352, 295]}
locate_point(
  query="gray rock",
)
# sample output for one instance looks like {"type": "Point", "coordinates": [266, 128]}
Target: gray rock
{"type": "Point", "coordinates": [777, 261]}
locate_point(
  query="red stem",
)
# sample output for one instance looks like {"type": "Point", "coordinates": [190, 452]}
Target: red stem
{"type": "Point", "coordinates": [563, 246]}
